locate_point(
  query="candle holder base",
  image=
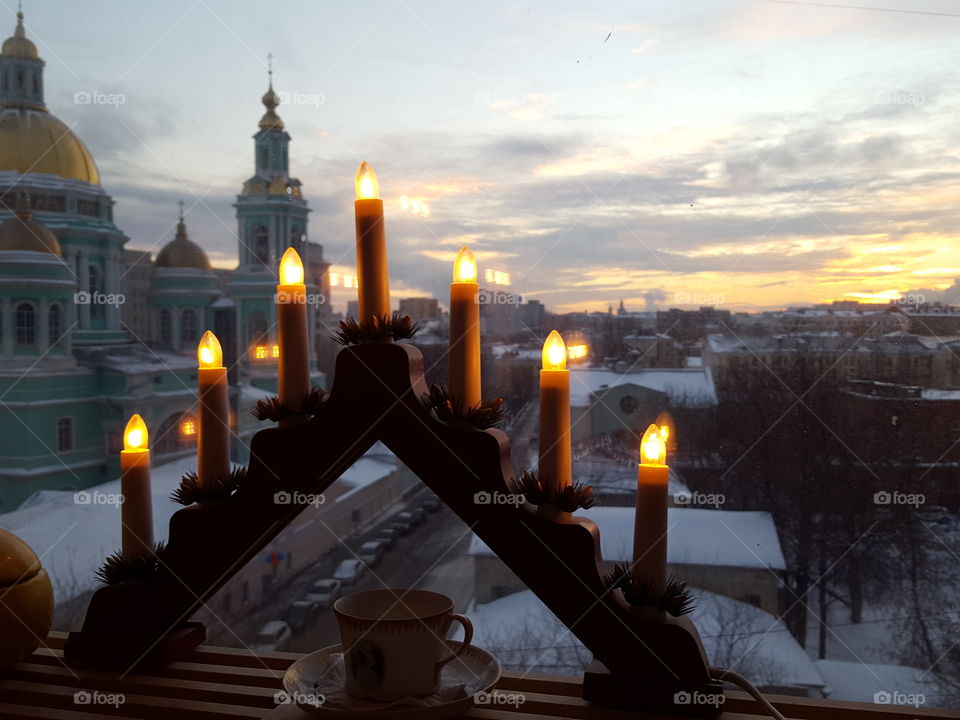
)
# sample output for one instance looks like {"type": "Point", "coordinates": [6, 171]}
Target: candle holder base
{"type": "Point", "coordinates": [129, 650]}
{"type": "Point", "coordinates": [632, 693]}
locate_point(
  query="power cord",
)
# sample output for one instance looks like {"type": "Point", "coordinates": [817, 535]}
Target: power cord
{"type": "Point", "coordinates": [744, 684]}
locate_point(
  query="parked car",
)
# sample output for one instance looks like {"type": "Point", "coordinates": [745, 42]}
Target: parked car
{"type": "Point", "coordinates": [410, 518]}
{"type": "Point", "coordinates": [371, 552]}
{"type": "Point", "coordinates": [388, 536]}
{"type": "Point", "coordinates": [349, 571]}
{"type": "Point", "coordinates": [300, 615]}
{"type": "Point", "coordinates": [274, 635]}
{"type": "Point", "coordinates": [323, 593]}
{"type": "Point", "coordinates": [401, 525]}
{"type": "Point", "coordinates": [431, 504]}
{"type": "Point", "coordinates": [419, 516]}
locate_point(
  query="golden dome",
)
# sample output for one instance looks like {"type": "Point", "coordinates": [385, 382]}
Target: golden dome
{"type": "Point", "coordinates": [270, 119]}
{"type": "Point", "coordinates": [23, 232]}
{"type": "Point", "coordinates": [182, 252]}
{"type": "Point", "coordinates": [34, 141]}
{"type": "Point", "coordinates": [18, 45]}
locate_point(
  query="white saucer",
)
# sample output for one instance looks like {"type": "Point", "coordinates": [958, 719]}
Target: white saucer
{"type": "Point", "coordinates": [315, 684]}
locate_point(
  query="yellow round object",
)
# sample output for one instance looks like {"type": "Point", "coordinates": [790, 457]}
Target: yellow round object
{"type": "Point", "coordinates": [26, 610]}
{"type": "Point", "coordinates": [34, 141]}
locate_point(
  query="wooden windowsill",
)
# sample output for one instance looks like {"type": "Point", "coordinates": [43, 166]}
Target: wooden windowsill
{"type": "Point", "coordinates": [218, 682]}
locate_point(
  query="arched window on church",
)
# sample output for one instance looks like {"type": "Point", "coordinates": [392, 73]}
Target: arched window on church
{"type": "Point", "coordinates": [264, 158]}
{"type": "Point", "coordinates": [95, 288]}
{"type": "Point", "coordinates": [36, 84]}
{"type": "Point", "coordinates": [19, 79]}
{"type": "Point", "coordinates": [188, 326]}
{"type": "Point", "coordinates": [166, 327]}
{"type": "Point", "coordinates": [54, 325]}
{"type": "Point", "coordinates": [296, 238]}
{"type": "Point", "coordinates": [26, 325]}
{"type": "Point", "coordinates": [261, 245]}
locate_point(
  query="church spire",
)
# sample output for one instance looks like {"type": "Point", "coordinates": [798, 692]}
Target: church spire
{"type": "Point", "coordinates": [270, 100]}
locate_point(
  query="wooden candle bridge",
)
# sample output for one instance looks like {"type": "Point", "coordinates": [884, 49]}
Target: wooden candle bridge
{"type": "Point", "coordinates": [641, 659]}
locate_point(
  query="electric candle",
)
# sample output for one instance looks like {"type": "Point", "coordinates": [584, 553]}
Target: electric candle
{"type": "Point", "coordinates": [555, 457]}
{"type": "Point", "coordinates": [136, 512]}
{"type": "Point", "coordinates": [650, 524]}
{"type": "Point", "coordinates": [465, 331]}
{"type": "Point", "coordinates": [213, 432]}
{"type": "Point", "coordinates": [373, 283]}
{"type": "Point", "coordinates": [294, 362]}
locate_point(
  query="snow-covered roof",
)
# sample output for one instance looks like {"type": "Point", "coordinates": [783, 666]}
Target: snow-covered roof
{"type": "Point", "coordinates": [525, 635]}
{"type": "Point", "coordinates": [692, 387]}
{"type": "Point", "coordinates": [72, 539]}
{"type": "Point", "coordinates": [861, 682]}
{"type": "Point", "coordinates": [696, 536]}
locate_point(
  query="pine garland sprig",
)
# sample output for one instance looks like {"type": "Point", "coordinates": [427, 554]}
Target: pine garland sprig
{"type": "Point", "coordinates": [376, 328]}
{"type": "Point", "coordinates": [272, 409]}
{"type": "Point", "coordinates": [537, 491]}
{"type": "Point", "coordinates": [487, 414]}
{"type": "Point", "coordinates": [192, 491]}
{"type": "Point", "coordinates": [676, 598]}
{"type": "Point", "coordinates": [116, 568]}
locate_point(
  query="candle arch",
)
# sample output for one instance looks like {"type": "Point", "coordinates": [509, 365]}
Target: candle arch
{"type": "Point", "coordinates": [377, 396]}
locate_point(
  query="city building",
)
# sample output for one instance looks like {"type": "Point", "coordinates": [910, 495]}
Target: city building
{"type": "Point", "coordinates": [91, 332]}
{"type": "Point", "coordinates": [420, 308]}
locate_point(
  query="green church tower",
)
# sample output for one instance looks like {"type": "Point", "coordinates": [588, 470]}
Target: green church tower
{"type": "Point", "coordinates": [271, 216]}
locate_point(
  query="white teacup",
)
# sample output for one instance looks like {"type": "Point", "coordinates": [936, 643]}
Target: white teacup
{"type": "Point", "coordinates": [393, 642]}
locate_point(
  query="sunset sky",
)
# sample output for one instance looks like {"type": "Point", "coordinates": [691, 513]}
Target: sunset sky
{"type": "Point", "coordinates": [748, 154]}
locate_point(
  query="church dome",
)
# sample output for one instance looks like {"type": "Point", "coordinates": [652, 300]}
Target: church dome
{"type": "Point", "coordinates": [270, 100]}
{"type": "Point", "coordinates": [182, 252]}
{"type": "Point", "coordinates": [34, 141]}
{"type": "Point", "coordinates": [31, 139]}
{"type": "Point", "coordinates": [18, 44]}
{"type": "Point", "coordinates": [23, 232]}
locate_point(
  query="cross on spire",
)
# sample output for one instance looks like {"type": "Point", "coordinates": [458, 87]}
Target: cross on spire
{"type": "Point", "coordinates": [270, 67]}
{"type": "Point", "coordinates": [180, 203]}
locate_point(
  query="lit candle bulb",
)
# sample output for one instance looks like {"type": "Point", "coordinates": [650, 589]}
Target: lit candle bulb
{"type": "Point", "coordinates": [465, 331]}
{"type": "Point", "coordinates": [650, 524]}
{"type": "Point", "coordinates": [373, 278]}
{"type": "Point", "coordinates": [294, 361]}
{"type": "Point", "coordinates": [555, 454]}
{"type": "Point", "coordinates": [136, 512]}
{"type": "Point", "coordinates": [213, 433]}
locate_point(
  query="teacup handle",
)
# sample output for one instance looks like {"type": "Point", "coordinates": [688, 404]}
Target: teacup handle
{"type": "Point", "coordinates": [467, 638]}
